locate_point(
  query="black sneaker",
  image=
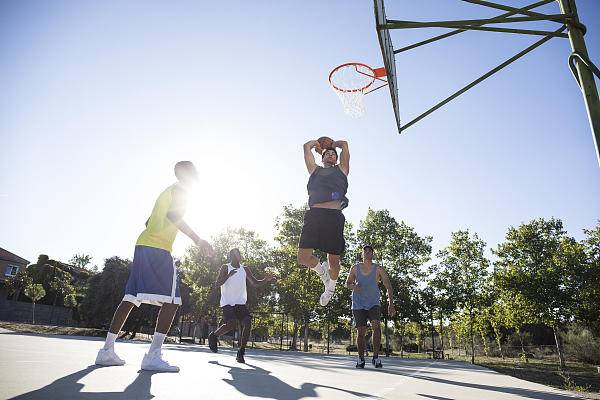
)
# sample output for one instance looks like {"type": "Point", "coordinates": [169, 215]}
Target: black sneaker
{"type": "Point", "coordinates": [377, 362]}
{"type": "Point", "coordinates": [360, 363]}
{"type": "Point", "coordinates": [212, 342]}
{"type": "Point", "coordinates": [240, 356]}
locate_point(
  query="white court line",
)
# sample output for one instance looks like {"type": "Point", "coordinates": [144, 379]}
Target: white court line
{"type": "Point", "coordinates": [31, 361]}
{"type": "Point", "coordinates": [388, 390]}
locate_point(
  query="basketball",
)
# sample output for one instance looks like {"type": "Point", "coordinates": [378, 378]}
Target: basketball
{"type": "Point", "coordinates": [325, 143]}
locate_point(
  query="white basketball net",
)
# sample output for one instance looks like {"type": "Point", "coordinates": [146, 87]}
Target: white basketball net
{"type": "Point", "coordinates": [350, 84]}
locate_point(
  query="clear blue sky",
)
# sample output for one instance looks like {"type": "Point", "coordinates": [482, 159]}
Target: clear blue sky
{"type": "Point", "coordinates": [99, 99]}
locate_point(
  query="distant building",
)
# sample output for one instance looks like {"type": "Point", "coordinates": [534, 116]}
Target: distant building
{"type": "Point", "coordinates": [10, 265]}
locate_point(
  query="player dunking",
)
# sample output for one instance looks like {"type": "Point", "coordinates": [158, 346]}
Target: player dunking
{"type": "Point", "coordinates": [323, 227]}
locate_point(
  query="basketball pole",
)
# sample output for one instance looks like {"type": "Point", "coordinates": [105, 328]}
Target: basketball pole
{"type": "Point", "coordinates": [584, 77]}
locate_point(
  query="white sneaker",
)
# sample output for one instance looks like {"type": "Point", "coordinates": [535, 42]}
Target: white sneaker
{"type": "Point", "coordinates": [323, 272]}
{"type": "Point", "coordinates": [155, 362]}
{"type": "Point", "coordinates": [328, 293]}
{"type": "Point", "coordinates": [108, 357]}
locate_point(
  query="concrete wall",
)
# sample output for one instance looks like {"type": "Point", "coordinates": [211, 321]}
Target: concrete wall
{"type": "Point", "coordinates": [19, 311]}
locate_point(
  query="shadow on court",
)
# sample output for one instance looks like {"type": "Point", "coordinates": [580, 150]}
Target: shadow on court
{"type": "Point", "coordinates": [258, 382]}
{"type": "Point", "coordinates": [522, 392]}
{"type": "Point", "coordinates": [68, 388]}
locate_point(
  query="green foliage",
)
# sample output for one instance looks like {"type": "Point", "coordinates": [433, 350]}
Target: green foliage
{"type": "Point", "coordinates": [18, 282]}
{"type": "Point", "coordinates": [541, 266]}
{"type": "Point", "coordinates": [581, 344]}
{"type": "Point", "coordinates": [80, 260]}
{"type": "Point", "coordinates": [70, 301]}
{"type": "Point", "coordinates": [461, 275]}
{"type": "Point", "coordinates": [587, 307]}
{"type": "Point", "coordinates": [104, 292]}
{"type": "Point", "coordinates": [34, 291]}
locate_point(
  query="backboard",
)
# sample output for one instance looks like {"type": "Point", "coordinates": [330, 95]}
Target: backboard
{"type": "Point", "coordinates": [389, 60]}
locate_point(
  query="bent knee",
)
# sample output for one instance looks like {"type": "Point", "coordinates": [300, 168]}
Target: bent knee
{"type": "Point", "coordinates": [304, 256]}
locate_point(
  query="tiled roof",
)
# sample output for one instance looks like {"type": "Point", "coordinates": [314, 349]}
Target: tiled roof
{"type": "Point", "coordinates": [10, 257]}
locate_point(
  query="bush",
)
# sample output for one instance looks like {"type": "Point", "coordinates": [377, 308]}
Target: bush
{"type": "Point", "coordinates": [582, 345]}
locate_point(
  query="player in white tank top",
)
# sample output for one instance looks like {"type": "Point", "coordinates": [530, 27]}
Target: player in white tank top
{"type": "Point", "coordinates": [234, 291]}
{"type": "Point", "coordinates": [232, 280]}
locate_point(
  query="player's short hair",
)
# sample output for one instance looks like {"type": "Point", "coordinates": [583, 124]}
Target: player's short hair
{"type": "Point", "coordinates": [231, 253]}
{"type": "Point", "coordinates": [181, 167]}
{"type": "Point", "coordinates": [368, 246]}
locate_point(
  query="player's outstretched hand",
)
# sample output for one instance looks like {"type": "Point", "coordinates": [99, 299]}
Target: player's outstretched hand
{"type": "Point", "coordinates": [391, 310]}
{"type": "Point", "coordinates": [269, 277]}
{"type": "Point", "coordinates": [205, 248]}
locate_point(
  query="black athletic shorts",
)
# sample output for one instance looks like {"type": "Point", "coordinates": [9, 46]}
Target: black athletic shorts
{"type": "Point", "coordinates": [361, 316]}
{"type": "Point", "coordinates": [239, 312]}
{"type": "Point", "coordinates": [323, 229]}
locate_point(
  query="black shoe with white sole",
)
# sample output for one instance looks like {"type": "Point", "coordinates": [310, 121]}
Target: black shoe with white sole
{"type": "Point", "coordinates": [360, 363]}
{"type": "Point", "coordinates": [240, 356]}
{"type": "Point", "coordinates": [377, 362]}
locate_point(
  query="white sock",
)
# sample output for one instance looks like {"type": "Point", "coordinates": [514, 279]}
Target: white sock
{"type": "Point", "coordinates": [318, 268]}
{"type": "Point", "coordinates": [157, 342]}
{"type": "Point", "coordinates": [110, 341]}
{"type": "Point", "coordinates": [332, 282]}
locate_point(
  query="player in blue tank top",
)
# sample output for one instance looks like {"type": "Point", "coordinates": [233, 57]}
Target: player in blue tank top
{"type": "Point", "coordinates": [364, 279]}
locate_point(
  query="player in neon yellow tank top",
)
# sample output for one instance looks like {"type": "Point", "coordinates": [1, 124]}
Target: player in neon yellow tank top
{"type": "Point", "coordinates": [160, 232]}
{"type": "Point", "coordinates": [153, 276]}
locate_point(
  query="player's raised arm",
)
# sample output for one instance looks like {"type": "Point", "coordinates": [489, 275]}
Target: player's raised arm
{"type": "Point", "coordinates": [344, 156]}
{"type": "Point", "coordinates": [309, 157]}
{"type": "Point", "coordinates": [258, 282]}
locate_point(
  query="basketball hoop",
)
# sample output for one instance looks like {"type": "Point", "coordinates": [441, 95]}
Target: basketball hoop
{"type": "Point", "coordinates": [351, 81]}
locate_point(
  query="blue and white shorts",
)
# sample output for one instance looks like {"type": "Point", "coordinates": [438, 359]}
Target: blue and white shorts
{"type": "Point", "coordinates": [153, 278]}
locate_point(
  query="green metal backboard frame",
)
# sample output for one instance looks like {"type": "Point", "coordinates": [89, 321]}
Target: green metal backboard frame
{"type": "Point", "coordinates": [389, 58]}
{"type": "Point", "coordinates": [581, 66]}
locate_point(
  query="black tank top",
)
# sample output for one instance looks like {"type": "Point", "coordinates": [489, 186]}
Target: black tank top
{"type": "Point", "coordinates": [327, 184]}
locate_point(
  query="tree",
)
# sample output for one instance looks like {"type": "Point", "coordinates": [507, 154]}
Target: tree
{"type": "Point", "coordinates": [494, 310]}
{"type": "Point", "coordinates": [80, 260]}
{"type": "Point", "coordinates": [544, 267]}
{"type": "Point", "coordinates": [465, 269]}
{"type": "Point", "coordinates": [444, 300]}
{"type": "Point", "coordinates": [60, 284]}
{"type": "Point", "coordinates": [104, 292]}
{"type": "Point", "coordinates": [588, 298]}
{"type": "Point", "coordinates": [34, 291]}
